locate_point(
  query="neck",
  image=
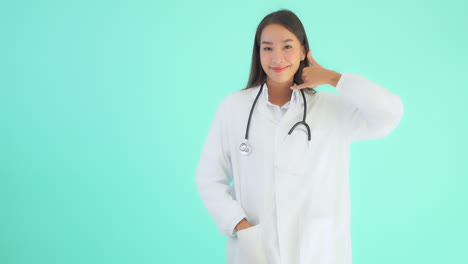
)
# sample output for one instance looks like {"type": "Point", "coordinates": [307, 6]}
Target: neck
{"type": "Point", "coordinates": [279, 93]}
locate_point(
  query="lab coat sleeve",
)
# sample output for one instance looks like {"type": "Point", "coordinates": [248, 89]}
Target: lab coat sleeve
{"type": "Point", "coordinates": [214, 174]}
{"type": "Point", "coordinates": [372, 111]}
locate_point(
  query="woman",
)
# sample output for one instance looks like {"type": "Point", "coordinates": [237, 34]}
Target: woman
{"type": "Point", "coordinates": [281, 195]}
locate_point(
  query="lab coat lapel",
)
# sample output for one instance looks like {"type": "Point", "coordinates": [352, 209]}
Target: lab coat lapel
{"type": "Point", "coordinates": [262, 106]}
{"type": "Point", "coordinates": [291, 117]}
{"type": "Point", "coordinates": [292, 150]}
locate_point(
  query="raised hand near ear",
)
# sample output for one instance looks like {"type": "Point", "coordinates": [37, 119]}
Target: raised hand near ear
{"type": "Point", "coordinates": [315, 75]}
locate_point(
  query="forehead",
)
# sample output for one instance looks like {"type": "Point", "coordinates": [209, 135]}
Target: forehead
{"type": "Point", "coordinates": [275, 33]}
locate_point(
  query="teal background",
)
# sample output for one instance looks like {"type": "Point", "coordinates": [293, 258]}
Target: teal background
{"type": "Point", "coordinates": [105, 107]}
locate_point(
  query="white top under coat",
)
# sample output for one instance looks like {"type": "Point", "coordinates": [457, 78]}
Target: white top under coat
{"type": "Point", "coordinates": [279, 111]}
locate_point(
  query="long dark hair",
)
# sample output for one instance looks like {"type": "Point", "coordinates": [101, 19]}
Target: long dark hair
{"type": "Point", "coordinates": [290, 21]}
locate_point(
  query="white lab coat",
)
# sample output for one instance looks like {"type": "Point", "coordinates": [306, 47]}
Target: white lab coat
{"type": "Point", "coordinates": [294, 192]}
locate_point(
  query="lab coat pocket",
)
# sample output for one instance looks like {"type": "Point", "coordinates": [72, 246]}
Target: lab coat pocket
{"type": "Point", "coordinates": [251, 250]}
{"type": "Point", "coordinates": [293, 150]}
{"type": "Point", "coordinates": [317, 241]}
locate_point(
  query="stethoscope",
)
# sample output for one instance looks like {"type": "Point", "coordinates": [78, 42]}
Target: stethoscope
{"type": "Point", "coordinates": [245, 147]}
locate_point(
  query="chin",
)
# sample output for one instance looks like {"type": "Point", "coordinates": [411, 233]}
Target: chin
{"type": "Point", "coordinates": [281, 79]}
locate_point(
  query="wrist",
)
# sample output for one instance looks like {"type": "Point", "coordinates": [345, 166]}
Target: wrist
{"type": "Point", "coordinates": [242, 224]}
{"type": "Point", "coordinates": [334, 77]}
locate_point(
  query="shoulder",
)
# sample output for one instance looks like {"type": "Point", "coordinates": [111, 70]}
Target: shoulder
{"type": "Point", "coordinates": [332, 104]}
{"type": "Point", "coordinates": [328, 99]}
{"type": "Point", "coordinates": [241, 96]}
{"type": "Point", "coordinates": [238, 98]}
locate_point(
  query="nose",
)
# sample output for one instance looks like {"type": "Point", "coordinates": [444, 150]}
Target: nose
{"type": "Point", "coordinates": [277, 57]}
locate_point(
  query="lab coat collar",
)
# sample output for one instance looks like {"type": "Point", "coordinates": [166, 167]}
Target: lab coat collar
{"type": "Point", "coordinates": [295, 96]}
{"type": "Point", "coordinates": [295, 105]}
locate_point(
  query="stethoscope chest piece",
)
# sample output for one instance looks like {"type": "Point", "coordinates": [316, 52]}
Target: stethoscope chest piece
{"type": "Point", "coordinates": [245, 148]}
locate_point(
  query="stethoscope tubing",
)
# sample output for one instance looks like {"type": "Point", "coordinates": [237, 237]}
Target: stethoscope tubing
{"type": "Point", "coordinates": [246, 148]}
{"type": "Point", "coordinates": [251, 111]}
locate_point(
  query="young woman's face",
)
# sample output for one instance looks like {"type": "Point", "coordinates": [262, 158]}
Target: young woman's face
{"type": "Point", "coordinates": [280, 53]}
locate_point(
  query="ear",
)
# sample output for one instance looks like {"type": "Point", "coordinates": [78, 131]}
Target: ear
{"type": "Point", "coordinates": [303, 54]}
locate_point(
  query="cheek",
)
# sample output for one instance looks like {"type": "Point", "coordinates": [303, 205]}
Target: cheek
{"type": "Point", "coordinates": [295, 61]}
{"type": "Point", "coordinates": [263, 57]}
{"type": "Point", "coordinates": [264, 61]}
{"type": "Point", "coordinates": [294, 57]}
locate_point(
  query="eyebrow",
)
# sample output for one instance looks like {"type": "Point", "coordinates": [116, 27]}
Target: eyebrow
{"type": "Point", "coordinates": [269, 42]}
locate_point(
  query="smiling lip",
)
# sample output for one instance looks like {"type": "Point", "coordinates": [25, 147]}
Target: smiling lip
{"type": "Point", "coordinates": [279, 69]}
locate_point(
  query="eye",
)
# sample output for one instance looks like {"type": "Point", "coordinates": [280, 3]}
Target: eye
{"type": "Point", "coordinates": [266, 48]}
{"type": "Point", "coordinates": [288, 46]}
